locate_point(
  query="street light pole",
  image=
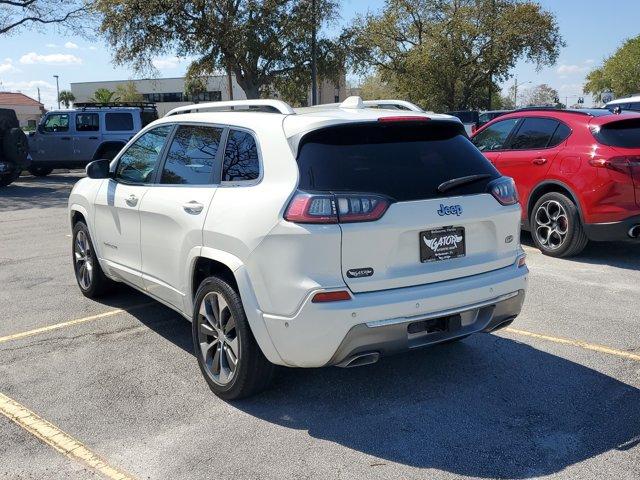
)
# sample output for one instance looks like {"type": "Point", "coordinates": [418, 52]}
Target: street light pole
{"type": "Point", "coordinates": [314, 68]}
{"type": "Point", "coordinates": [57, 90]}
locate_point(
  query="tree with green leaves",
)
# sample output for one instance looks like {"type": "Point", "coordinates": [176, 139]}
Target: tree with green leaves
{"type": "Point", "coordinates": [66, 98]}
{"type": "Point", "coordinates": [260, 42]}
{"type": "Point", "coordinates": [375, 88]}
{"type": "Point", "coordinates": [20, 14]}
{"type": "Point", "coordinates": [104, 95]}
{"type": "Point", "coordinates": [620, 73]}
{"type": "Point", "coordinates": [128, 92]}
{"type": "Point", "coordinates": [452, 54]}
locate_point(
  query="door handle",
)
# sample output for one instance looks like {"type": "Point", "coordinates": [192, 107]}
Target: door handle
{"type": "Point", "coordinates": [539, 161]}
{"type": "Point", "coordinates": [193, 207]}
{"type": "Point", "coordinates": [65, 138]}
{"type": "Point", "coordinates": [93, 138]}
{"type": "Point", "coordinates": [131, 200]}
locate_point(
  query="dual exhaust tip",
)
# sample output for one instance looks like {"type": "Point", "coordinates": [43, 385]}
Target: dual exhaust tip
{"type": "Point", "coordinates": [634, 232]}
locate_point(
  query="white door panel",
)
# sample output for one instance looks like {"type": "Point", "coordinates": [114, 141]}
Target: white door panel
{"type": "Point", "coordinates": [117, 228]}
{"type": "Point", "coordinates": [172, 218]}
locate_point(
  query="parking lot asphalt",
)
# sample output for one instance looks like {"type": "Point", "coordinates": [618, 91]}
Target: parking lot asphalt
{"type": "Point", "coordinates": [126, 385]}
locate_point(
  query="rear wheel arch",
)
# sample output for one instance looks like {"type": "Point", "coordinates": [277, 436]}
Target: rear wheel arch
{"type": "Point", "coordinates": [204, 267]}
{"type": "Point", "coordinates": [552, 186]}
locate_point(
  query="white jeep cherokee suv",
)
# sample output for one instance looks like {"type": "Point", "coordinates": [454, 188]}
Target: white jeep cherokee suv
{"type": "Point", "coordinates": [328, 235]}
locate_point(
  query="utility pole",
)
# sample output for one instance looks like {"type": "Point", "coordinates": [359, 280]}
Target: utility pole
{"type": "Point", "coordinates": [57, 90]}
{"type": "Point", "coordinates": [39, 95]}
{"type": "Point", "coordinates": [515, 94]}
{"type": "Point", "coordinates": [314, 67]}
{"type": "Point", "coordinates": [229, 82]}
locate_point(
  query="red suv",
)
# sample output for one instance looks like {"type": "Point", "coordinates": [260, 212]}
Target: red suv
{"type": "Point", "coordinates": [577, 173]}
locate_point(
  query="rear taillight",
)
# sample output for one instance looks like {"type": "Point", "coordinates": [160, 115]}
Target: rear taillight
{"type": "Point", "coordinates": [619, 164]}
{"type": "Point", "coordinates": [504, 190]}
{"type": "Point", "coordinates": [335, 208]}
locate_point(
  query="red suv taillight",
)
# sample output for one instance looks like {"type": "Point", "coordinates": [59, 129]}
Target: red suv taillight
{"type": "Point", "coordinates": [335, 208]}
{"type": "Point", "coordinates": [620, 164]}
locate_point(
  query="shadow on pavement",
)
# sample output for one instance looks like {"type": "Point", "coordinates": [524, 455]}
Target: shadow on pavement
{"type": "Point", "coordinates": [616, 254]}
{"type": "Point", "coordinates": [38, 192]}
{"type": "Point", "coordinates": [488, 407]}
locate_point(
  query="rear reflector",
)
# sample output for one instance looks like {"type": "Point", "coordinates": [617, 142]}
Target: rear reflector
{"type": "Point", "coordinates": [336, 208]}
{"type": "Point", "coordinates": [522, 260]}
{"type": "Point", "coordinates": [337, 296]}
{"type": "Point", "coordinates": [404, 118]}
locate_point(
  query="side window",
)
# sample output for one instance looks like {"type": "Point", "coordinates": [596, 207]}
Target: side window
{"type": "Point", "coordinates": [118, 122]}
{"type": "Point", "coordinates": [240, 158]}
{"type": "Point", "coordinates": [534, 133]}
{"type": "Point", "coordinates": [192, 155]}
{"type": "Point", "coordinates": [560, 135]}
{"type": "Point", "coordinates": [138, 162]}
{"type": "Point", "coordinates": [87, 122]}
{"type": "Point", "coordinates": [635, 106]}
{"type": "Point", "coordinates": [493, 137]}
{"type": "Point", "coordinates": [57, 122]}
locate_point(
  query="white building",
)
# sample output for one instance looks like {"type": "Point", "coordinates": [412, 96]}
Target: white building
{"type": "Point", "coordinates": [168, 93]}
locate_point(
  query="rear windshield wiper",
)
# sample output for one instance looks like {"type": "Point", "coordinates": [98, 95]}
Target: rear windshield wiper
{"type": "Point", "coordinates": [456, 182]}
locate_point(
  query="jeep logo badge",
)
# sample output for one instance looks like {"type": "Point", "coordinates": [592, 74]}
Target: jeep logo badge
{"type": "Point", "coordinates": [450, 210]}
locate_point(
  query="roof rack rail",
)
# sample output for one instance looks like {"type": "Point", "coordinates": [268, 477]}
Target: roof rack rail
{"type": "Point", "coordinates": [114, 104]}
{"type": "Point", "coordinates": [553, 109]}
{"type": "Point", "coordinates": [400, 104]}
{"type": "Point", "coordinates": [271, 105]}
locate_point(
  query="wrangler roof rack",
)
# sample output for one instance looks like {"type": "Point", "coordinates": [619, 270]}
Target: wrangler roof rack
{"type": "Point", "coordinates": [266, 105]}
{"type": "Point", "coordinates": [84, 105]}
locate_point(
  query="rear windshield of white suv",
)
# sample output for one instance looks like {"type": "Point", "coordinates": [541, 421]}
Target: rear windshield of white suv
{"type": "Point", "coordinates": [402, 160]}
{"type": "Point", "coordinates": [623, 133]}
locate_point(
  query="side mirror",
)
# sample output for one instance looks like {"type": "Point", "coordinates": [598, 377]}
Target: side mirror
{"type": "Point", "coordinates": [40, 128]}
{"type": "Point", "coordinates": [98, 169]}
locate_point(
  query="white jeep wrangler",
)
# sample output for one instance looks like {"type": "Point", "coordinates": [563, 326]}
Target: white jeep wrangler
{"type": "Point", "coordinates": [330, 235]}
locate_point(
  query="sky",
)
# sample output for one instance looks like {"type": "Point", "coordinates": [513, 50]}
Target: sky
{"type": "Point", "coordinates": [593, 30]}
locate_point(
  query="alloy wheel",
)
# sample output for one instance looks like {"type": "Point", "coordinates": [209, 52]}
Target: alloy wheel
{"type": "Point", "coordinates": [83, 260]}
{"type": "Point", "coordinates": [218, 338]}
{"type": "Point", "coordinates": [552, 225]}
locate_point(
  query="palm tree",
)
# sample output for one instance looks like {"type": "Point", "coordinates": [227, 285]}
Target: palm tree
{"type": "Point", "coordinates": [104, 95]}
{"type": "Point", "coordinates": [66, 98]}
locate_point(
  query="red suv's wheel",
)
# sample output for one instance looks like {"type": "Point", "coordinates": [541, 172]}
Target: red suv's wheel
{"type": "Point", "coordinates": [556, 227]}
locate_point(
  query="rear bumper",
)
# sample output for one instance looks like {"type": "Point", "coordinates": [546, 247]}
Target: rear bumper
{"type": "Point", "coordinates": [613, 231]}
{"type": "Point", "coordinates": [392, 321]}
{"type": "Point", "coordinates": [390, 337]}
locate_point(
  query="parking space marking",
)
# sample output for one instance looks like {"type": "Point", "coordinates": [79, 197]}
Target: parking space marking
{"type": "Point", "coordinates": [576, 343]}
{"type": "Point", "coordinates": [48, 328]}
{"type": "Point", "coordinates": [56, 438]}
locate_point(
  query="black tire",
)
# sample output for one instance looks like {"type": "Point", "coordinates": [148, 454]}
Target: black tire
{"type": "Point", "coordinates": [40, 171]}
{"type": "Point", "coordinates": [253, 372]}
{"type": "Point", "coordinates": [99, 284]}
{"type": "Point", "coordinates": [15, 146]}
{"type": "Point", "coordinates": [8, 178]}
{"type": "Point", "coordinates": [574, 240]}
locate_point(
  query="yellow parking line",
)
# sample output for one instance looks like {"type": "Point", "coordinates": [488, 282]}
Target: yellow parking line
{"type": "Point", "coordinates": [36, 331]}
{"type": "Point", "coordinates": [56, 438]}
{"type": "Point", "coordinates": [576, 343]}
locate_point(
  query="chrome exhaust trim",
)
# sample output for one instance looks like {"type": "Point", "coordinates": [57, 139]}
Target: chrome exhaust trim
{"type": "Point", "coordinates": [359, 360]}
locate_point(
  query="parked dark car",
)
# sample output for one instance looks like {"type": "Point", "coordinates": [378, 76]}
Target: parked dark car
{"type": "Point", "coordinates": [486, 117]}
{"type": "Point", "coordinates": [469, 118]}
